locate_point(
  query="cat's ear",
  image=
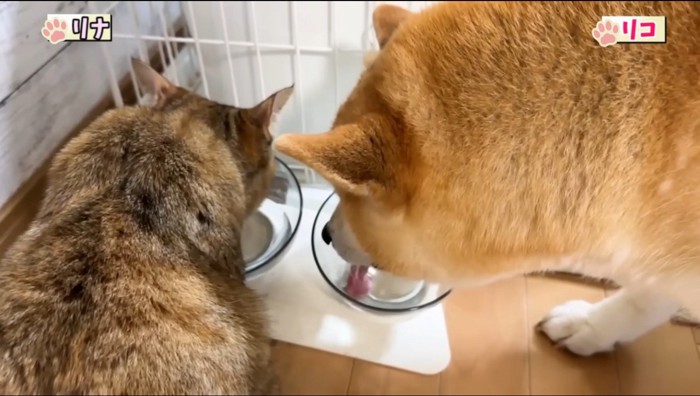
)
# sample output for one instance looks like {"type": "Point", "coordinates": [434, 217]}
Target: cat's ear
{"type": "Point", "coordinates": [352, 157]}
{"type": "Point", "coordinates": [153, 83]}
{"type": "Point", "coordinates": [265, 112]}
{"type": "Point", "coordinates": [386, 19]}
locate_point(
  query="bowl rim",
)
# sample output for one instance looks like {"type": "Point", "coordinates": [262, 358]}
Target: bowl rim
{"type": "Point", "coordinates": [283, 246]}
{"type": "Point", "coordinates": [352, 300]}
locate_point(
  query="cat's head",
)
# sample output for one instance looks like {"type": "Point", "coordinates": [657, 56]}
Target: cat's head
{"type": "Point", "coordinates": [245, 131]}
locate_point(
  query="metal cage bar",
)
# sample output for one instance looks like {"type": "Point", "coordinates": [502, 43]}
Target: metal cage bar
{"type": "Point", "coordinates": [113, 81]}
{"type": "Point", "coordinates": [333, 42]}
{"type": "Point", "coordinates": [197, 44]}
{"type": "Point", "coordinates": [227, 44]}
{"type": "Point", "coordinates": [257, 46]}
{"type": "Point", "coordinates": [258, 57]}
{"type": "Point", "coordinates": [299, 86]}
{"type": "Point", "coordinates": [168, 44]}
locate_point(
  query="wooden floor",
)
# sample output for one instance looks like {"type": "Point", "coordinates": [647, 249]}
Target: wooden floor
{"type": "Point", "coordinates": [496, 351]}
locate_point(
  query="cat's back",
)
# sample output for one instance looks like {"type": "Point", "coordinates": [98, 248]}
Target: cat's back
{"type": "Point", "coordinates": [119, 143]}
{"type": "Point", "coordinates": [104, 293]}
{"type": "Point", "coordinates": [91, 304]}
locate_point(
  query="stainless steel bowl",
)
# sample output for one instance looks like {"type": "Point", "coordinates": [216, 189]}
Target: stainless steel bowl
{"type": "Point", "coordinates": [268, 233]}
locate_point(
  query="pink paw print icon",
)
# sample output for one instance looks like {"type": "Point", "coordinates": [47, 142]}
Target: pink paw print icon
{"type": "Point", "coordinates": [606, 33]}
{"type": "Point", "coordinates": [54, 31]}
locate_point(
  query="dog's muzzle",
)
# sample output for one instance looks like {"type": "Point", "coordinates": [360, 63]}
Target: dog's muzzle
{"type": "Point", "coordinates": [326, 235]}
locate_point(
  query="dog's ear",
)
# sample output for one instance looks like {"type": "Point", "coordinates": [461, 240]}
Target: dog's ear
{"type": "Point", "coordinates": [153, 83]}
{"type": "Point", "coordinates": [386, 19]}
{"type": "Point", "coordinates": [369, 58]}
{"type": "Point", "coordinates": [350, 157]}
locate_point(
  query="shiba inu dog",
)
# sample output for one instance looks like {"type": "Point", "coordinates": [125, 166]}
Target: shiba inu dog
{"type": "Point", "coordinates": [489, 140]}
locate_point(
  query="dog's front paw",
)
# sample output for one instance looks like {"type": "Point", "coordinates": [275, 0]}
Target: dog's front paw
{"type": "Point", "coordinates": [570, 327]}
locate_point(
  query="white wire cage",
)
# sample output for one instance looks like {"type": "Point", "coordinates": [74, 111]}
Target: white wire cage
{"type": "Point", "coordinates": [239, 52]}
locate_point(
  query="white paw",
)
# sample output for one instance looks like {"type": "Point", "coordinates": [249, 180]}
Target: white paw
{"type": "Point", "coordinates": [569, 326]}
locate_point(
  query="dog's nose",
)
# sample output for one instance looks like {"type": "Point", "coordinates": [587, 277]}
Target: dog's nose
{"type": "Point", "coordinates": [326, 235]}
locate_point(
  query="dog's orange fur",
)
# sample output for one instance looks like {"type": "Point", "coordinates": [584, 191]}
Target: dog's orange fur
{"type": "Point", "coordinates": [487, 140]}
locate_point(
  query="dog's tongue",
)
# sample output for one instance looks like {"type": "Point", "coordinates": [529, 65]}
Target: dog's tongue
{"type": "Point", "coordinates": [359, 283]}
